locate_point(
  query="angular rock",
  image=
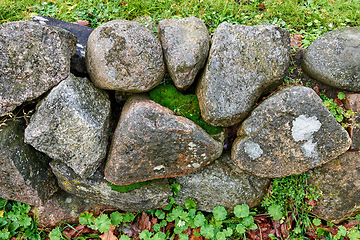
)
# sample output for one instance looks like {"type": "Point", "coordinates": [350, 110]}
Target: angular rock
{"type": "Point", "coordinates": [64, 207]}
{"type": "Point", "coordinates": [186, 44]}
{"type": "Point", "coordinates": [220, 185]}
{"type": "Point", "coordinates": [125, 56]}
{"type": "Point", "coordinates": [352, 102]}
{"type": "Point", "coordinates": [71, 125]}
{"type": "Point", "coordinates": [33, 59]}
{"type": "Point", "coordinates": [339, 181]}
{"type": "Point", "coordinates": [289, 133]}
{"type": "Point", "coordinates": [25, 175]}
{"type": "Point", "coordinates": [334, 59]}
{"type": "Point", "coordinates": [244, 62]}
{"type": "Point", "coordinates": [82, 34]}
{"type": "Point", "coordinates": [151, 196]}
{"type": "Point", "coordinates": [152, 142]}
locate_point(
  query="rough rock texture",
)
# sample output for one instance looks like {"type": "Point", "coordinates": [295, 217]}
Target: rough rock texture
{"type": "Point", "coordinates": [352, 102]}
{"type": "Point", "coordinates": [151, 196]}
{"type": "Point", "coordinates": [289, 133]}
{"type": "Point", "coordinates": [339, 181]}
{"type": "Point", "coordinates": [33, 59]}
{"type": "Point", "coordinates": [64, 207]}
{"type": "Point", "coordinates": [25, 175]}
{"type": "Point", "coordinates": [152, 142]}
{"type": "Point", "coordinates": [81, 33]}
{"type": "Point", "coordinates": [186, 44]}
{"type": "Point", "coordinates": [244, 62]}
{"type": "Point", "coordinates": [125, 56]}
{"type": "Point", "coordinates": [71, 125]}
{"type": "Point", "coordinates": [334, 59]}
{"type": "Point", "coordinates": [220, 185]}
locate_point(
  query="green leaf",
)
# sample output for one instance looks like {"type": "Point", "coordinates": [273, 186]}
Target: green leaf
{"type": "Point", "coordinates": [56, 234]}
{"type": "Point", "coordinates": [3, 203]}
{"type": "Point", "coordinates": [102, 223]}
{"type": "Point", "coordinates": [175, 188]}
{"type": "Point", "coordinates": [341, 95]}
{"type": "Point", "coordinates": [219, 213]}
{"type": "Point", "coordinates": [199, 219]}
{"type": "Point", "coordinates": [248, 221]}
{"type": "Point", "coordinates": [220, 236]}
{"type": "Point", "coordinates": [207, 231]}
{"type": "Point", "coordinates": [190, 204]}
{"type": "Point", "coordinates": [275, 211]}
{"type": "Point", "coordinates": [168, 207]}
{"type": "Point", "coordinates": [24, 220]}
{"type": "Point", "coordinates": [128, 217]}
{"type": "Point", "coordinates": [354, 234]}
{"type": "Point", "coordinates": [4, 234]}
{"type": "Point", "coordinates": [228, 232]}
{"type": "Point", "coordinates": [156, 227]}
{"type": "Point", "coordinates": [240, 228]}
{"type": "Point", "coordinates": [242, 211]}
{"type": "Point", "coordinates": [183, 236]}
{"type": "Point", "coordinates": [159, 214]}
{"type": "Point", "coordinates": [20, 208]}
{"type": "Point", "coordinates": [124, 237]}
{"type": "Point", "coordinates": [159, 236]}
{"type": "Point", "coordinates": [253, 226]}
{"type": "Point", "coordinates": [146, 235]}
{"type": "Point", "coordinates": [339, 118]}
{"type": "Point", "coordinates": [86, 218]}
{"type": "Point", "coordinates": [316, 221]}
{"type": "Point", "coordinates": [116, 218]}
{"type": "Point", "coordinates": [341, 233]}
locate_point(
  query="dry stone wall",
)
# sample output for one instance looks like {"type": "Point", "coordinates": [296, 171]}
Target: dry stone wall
{"type": "Point", "coordinates": [69, 142]}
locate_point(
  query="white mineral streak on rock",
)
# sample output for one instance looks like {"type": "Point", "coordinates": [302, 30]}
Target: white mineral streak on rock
{"type": "Point", "coordinates": [253, 150]}
{"type": "Point", "coordinates": [158, 168]}
{"type": "Point", "coordinates": [303, 130]}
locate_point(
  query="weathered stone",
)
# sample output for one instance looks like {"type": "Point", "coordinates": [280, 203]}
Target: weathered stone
{"type": "Point", "coordinates": [334, 59]}
{"type": "Point", "coordinates": [352, 102]}
{"type": "Point", "coordinates": [125, 56]}
{"type": "Point", "coordinates": [220, 185]}
{"type": "Point", "coordinates": [244, 62]}
{"type": "Point", "coordinates": [33, 59]}
{"type": "Point", "coordinates": [81, 33]}
{"type": "Point", "coordinates": [152, 142]}
{"type": "Point", "coordinates": [25, 175]}
{"type": "Point", "coordinates": [289, 133]}
{"type": "Point", "coordinates": [186, 45]}
{"type": "Point", "coordinates": [339, 181]}
{"type": "Point", "coordinates": [64, 207]}
{"type": "Point", "coordinates": [71, 125]}
{"type": "Point", "coordinates": [151, 196]}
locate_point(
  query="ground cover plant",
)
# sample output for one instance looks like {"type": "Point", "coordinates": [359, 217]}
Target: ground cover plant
{"type": "Point", "coordinates": [283, 213]}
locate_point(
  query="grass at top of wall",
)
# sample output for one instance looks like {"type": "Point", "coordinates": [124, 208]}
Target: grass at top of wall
{"type": "Point", "coordinates": [310, 18]}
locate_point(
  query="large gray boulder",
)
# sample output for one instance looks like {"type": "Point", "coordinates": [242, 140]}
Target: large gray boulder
{"type": "Point", "coordinates": [152, 142]}
{"type": "Point", "coordinates": [219, 184]}
{"type": "Point", "coordinates": [244, 62]}
{"type": "Point", "coordinates": [186, 44]}
{"type": "Point", "coordinates": [71, 125]}
{"type": "Point", "coordinates": [25, 175]}
{"type": "Point", "coordinates": [33, 59]}
{"type": "Point", "coordinates": [339, 182]}
{"type": "Point", "coordinates": [289, 133]}
{"type": "Point", "coordinates": [151, 196]}
{"type": "Point", "coordinates": [334, 59]}
{"type": "Point", "coordinates": [125, 56]}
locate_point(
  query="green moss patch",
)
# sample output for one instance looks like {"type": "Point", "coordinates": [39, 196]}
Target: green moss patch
{"type": "Point", "coordinates": [185, 105]}
{"type": "Point", "coordinates": [128, 188]}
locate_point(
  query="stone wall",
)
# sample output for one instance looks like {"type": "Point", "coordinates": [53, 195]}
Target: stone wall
{"type": "Point", "coordinates": [86, 140]}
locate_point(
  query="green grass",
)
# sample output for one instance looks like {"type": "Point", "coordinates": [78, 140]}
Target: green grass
{"type": "Point", "coordinates": [309, 18]}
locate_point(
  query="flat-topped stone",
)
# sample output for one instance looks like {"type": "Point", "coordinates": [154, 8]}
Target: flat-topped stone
{"type": "Point", "coordinates": [152, 142]}
{"type": "Point", "coordinates": [289, 133]}
{"type": "Point", "coordinates": [125, 56]}
{"type": "Point", "coordinates": [33, 59]}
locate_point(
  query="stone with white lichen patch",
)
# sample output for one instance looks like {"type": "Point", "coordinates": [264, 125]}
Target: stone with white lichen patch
{"type": "Point", "coordinates": [152, 142]}
{"type": "Point", "coordinates": [289, 133]}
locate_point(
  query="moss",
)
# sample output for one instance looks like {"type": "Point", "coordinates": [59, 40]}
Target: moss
{"type": "Point", "coordinates": [128, 188]}
{"type": "Point", "coordinates": [186, 105]}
